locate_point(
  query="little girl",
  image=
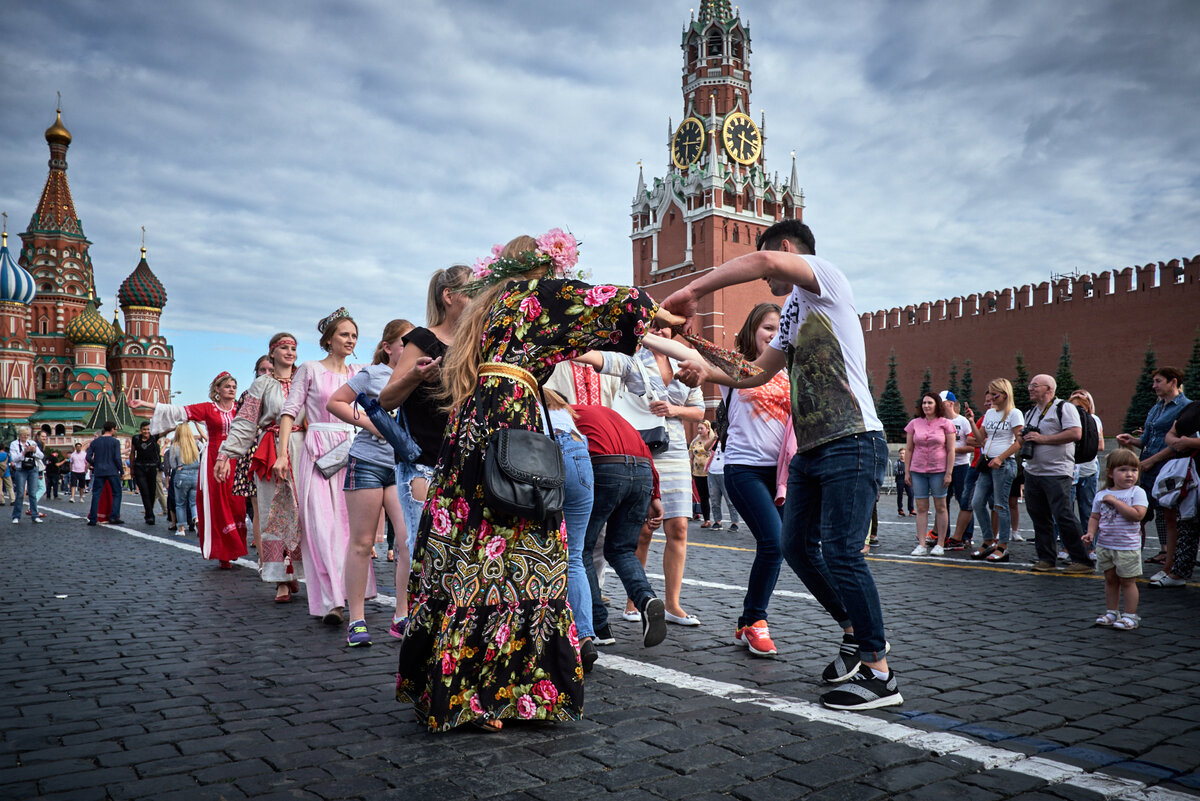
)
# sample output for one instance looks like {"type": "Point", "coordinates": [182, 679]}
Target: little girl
{"type": "Point", "coordinates": [1116, 512]}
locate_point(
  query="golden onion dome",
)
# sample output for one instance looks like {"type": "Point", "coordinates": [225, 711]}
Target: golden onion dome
{"type": "Point", "coordinates": [58, 132]}
{"type": "Point", "coordinates": [89, 328]}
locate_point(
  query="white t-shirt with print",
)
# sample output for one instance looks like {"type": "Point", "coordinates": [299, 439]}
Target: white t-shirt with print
{"type": "Point", "coordinates": [821, 337]}
{"type": "Point", "coordinates": [1115, 530]}
{"type": "Point", "coordinates": [999, 428]}
{"type": "Point", "coordinates": [962, 430]}
{"type": "Point", "coordinates": [758, 423]}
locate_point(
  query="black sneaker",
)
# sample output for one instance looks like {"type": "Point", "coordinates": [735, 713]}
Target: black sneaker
{"type": "Point", "coordinates": [654, 622]}
{"type": "Point", "coordinates": [604, 636]}
{"type": "Point", "coordinates": [588, 655]}
{"type": "Point", "coordinates": [864, 691]}
{"type": "Point", "coordinates": [846, 664]}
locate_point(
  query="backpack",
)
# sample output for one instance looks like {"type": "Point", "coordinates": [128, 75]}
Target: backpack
{"type": "Point", "coordinates": [1175, 487]}
{"type": "Point", "coordinates": [1088, 444]}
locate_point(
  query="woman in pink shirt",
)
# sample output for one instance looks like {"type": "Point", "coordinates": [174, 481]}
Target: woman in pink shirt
{"type": "Point", "coordinates": [929, 468]}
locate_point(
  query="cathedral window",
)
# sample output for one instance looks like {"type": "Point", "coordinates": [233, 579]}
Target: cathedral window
{"type": "Point", "coordinates": [60, 430]}
{"type": "Point", "coordinates": [44, 325]}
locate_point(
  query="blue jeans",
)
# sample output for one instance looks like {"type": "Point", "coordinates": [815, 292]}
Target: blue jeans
{"type": "Point", "coordinates": [185, 482]}
{"type": "Point", "coordinates": [716, 491]}
{"type": "Point", "coordinates": [412, 508]}
{"type": "Point", "coordinates": [577, 511]}
{"type": "Point", "coordinates": [752, 490]}
{"type": "Point", "coordinates": [993, 487]}
{"type": "Point", "coordinates": [962, 486]}
{"type": "Point", "coordinates": [1085, 496]}
{"type": "Point", "coordinates": [831, 492]}
{"type": "Point", "coordinates": [21, 480]}
{"type": "Point", "coordinates": [622, 500]}
{"type": "Point", "coordinates": [98, 489]}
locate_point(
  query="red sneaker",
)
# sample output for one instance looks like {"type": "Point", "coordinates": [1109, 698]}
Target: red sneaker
{"type": "Point", "coordinates": [756, 637]}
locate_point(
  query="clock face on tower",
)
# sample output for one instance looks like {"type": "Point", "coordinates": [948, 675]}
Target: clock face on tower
{"type": "Point", "coordinates": [741, 138]}
{"type": "Point", "coordinates": [688, 142]}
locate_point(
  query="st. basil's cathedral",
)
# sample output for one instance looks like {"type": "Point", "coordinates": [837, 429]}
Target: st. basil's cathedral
{"type": "Point", "coordinates": [64, 369]}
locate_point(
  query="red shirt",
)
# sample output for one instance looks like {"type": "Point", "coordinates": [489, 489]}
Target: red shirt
{"type": "Point", "coordinates": [609, 434]}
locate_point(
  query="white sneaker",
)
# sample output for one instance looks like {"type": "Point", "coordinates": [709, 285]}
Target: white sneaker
{"type": "Point", "coordinates": [920, 550]}
{"type": "Point", "coordinates": [1063, 556]}
{"type": "Point", "coordinates": [937, 550]}
{"type": "Point", "coordinates": [1158, 575]}
{"type": "Point", "coordinates": [1017, 537]}
{"type": "Point", "coordinates": [1168, 581]}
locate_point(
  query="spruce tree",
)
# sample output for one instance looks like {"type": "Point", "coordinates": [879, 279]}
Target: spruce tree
{"type": "Point", "coordinates": [1063, 376]}
{"type": "Point", "coordinates": [1143, 394]}
{"type": "Point", "coordinates": [965, 398]}
{"type": "Point", "coordinates": [1021, 383]}
{"type": "Point", "coordinates": [926, 383]}
{"type": "Point", "coordinates": [1191, 373]}
{"type": "Point", "coordinates": [952, 383]}
{"type": "Point", "coordinates": [892, 413]}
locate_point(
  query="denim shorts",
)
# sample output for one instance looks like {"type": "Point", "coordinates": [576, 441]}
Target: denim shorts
{"type": "Point", "coordinates": [927, 484]}
{"type": "Point", "coordinates": [362, 475]}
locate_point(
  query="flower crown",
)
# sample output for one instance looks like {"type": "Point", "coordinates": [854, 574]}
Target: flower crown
{"type": "Point", "coordinates": [557, 251]}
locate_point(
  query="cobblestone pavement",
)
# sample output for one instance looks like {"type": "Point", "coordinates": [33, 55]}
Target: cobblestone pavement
{"type": "Point", "coordinates": [132, 669]}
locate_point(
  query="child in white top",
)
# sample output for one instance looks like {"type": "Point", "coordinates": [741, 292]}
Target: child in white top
{"type": "Point", "coordinates": [1116, 512]}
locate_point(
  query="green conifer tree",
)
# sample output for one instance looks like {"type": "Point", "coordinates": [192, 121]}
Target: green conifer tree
{"type": "Point", "coordinates": [892, 413]}
{"type": "Point", "coordinates": [1191, 373]}
{"type": "Point", "coordinates": [1021, 382]}
{"type": "Point", "coordinates": [1143, 394]}
{"type": "Point", "coordinates": [1064, 377]}
{"type": "Point", "coordinates": [952, 378]}
{"type": "Point", "coordinates": [966, 398]}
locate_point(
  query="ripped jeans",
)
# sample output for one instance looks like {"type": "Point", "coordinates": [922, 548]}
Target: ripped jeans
{"type": "Point", "coordinates": [412, 508]}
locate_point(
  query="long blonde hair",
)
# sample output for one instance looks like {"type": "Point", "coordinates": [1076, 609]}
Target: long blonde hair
{"type": "Point", "coordinates": [460, 367]}
{"type": "Point", "coordinates": [1003, 385]}
{"type": "Point", "coordinates": [185, 444]}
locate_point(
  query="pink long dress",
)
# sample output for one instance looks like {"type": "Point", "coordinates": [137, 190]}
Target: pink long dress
{"type": "Point", "coordinates": [321, 504]}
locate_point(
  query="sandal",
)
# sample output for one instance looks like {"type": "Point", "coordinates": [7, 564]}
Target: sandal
{"type": "Point", "coordinates": [1159, 558]}
{"type": "Point", "coordinates": [1127, 622]}
{"type": "Point", "coordinates": [489, 725]}
{"type": "Point", "coordinates": [1107, 619]}
{"type": "Point", "coordinates": [984, 551]}
{"type": "Point", "coordinates": [706, 524]}
{"type": "Point", "coordinates": [998, 555]}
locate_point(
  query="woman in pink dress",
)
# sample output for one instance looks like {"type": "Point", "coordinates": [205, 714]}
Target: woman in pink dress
{"type": "Point", "coordinates": [220, 515]}
{"type": "Point", "coordinates": [319, 499]}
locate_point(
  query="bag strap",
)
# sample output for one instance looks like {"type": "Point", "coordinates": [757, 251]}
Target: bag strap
{"type": "Point", "coordinates": [647, 389]}
{"type": "Point", "coordinates": [525, 378]}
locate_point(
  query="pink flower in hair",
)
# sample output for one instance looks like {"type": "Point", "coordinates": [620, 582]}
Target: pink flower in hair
{"type": "Point", "coordinates": [561, 247]}
{"type": "Point", "coordinates": [483, 266]}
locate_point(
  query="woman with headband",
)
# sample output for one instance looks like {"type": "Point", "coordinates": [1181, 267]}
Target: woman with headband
{"type": "Point", "coordinates": [319, 500]}
{"type": "Point", "coordinates": [254, 439]}
{"type": "Point", "coordinates": [220, 515]}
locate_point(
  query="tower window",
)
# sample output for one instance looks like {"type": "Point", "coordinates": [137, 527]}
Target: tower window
{"type": "Point", "coordinates": [737, 48]}
{"type": "Point", "coordinates": [715, 45]}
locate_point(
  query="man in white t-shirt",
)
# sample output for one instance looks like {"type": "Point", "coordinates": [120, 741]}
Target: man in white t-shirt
{"type": "Point", "coordinates": [834, 478]}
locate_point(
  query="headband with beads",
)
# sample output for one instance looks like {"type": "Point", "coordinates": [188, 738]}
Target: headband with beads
{"type": "Point", "coordinates": [333, 318]}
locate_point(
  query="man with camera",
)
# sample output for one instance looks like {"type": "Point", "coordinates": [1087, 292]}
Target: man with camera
{"type": "Point", "coordinates": [1048, 440]}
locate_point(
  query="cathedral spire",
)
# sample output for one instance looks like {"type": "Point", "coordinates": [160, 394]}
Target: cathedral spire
{"type": "Point", "coordinates": [640, 192]}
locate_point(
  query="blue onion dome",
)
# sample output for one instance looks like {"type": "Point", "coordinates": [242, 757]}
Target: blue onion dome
{"type": "Point", "coordinates": [142, 288]}
{"type": "Point", "coordinates": [89, 328]}
{"type": "Point", "coordinates": [16, 284]}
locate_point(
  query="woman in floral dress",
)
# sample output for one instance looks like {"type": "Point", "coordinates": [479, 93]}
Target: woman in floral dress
{"type": "Point", "coordinates": [490, 635]}
{"type": "Point", "coordinates": [220, 515]}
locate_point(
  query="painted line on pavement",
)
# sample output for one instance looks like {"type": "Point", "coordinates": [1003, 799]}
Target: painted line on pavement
{"type": "Point", "coordinates": [938, 743]}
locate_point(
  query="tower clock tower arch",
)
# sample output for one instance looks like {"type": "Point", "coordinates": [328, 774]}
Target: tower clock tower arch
{"type": "Point", "coordinates": [716, 195]}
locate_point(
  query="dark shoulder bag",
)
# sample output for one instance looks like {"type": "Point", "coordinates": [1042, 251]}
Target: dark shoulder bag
{"type": "Point", "coordinates": [524, 475]}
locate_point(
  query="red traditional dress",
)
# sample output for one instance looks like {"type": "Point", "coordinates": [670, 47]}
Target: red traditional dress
{"type": "Point", "coordinates": [220, 515]}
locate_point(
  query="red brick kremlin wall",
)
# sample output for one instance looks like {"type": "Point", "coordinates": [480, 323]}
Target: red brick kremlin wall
{"type": "Point", "coordinates": [1109, 327]}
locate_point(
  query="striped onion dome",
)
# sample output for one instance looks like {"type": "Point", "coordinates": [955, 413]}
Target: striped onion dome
{"type": "Point", "coordinates": [142, 288]}
{"type": "Point", "coordinates": [16, 284]}
{"type": "Point", "coordinates": [89, 328]}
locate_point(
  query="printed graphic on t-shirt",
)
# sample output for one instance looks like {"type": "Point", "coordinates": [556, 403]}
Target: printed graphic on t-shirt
{"type": "Point", "coordinates": [823, 406]}
{"type": "Point", "coordinates": [769, 401]}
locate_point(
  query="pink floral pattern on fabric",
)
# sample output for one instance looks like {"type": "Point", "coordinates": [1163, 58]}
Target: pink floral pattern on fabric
{"type": "Point", "coordinates": [490, 633]}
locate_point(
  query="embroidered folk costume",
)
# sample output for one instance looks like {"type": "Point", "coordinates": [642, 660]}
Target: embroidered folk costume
{"type": "Point", "coordinates": [253, 440]}
{"type": "Point", "coordinates": [490, 635]}
{"type": "Point", "coordinates": [220, 515]}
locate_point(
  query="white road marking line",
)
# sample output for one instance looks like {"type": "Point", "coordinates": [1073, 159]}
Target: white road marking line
{"type": "Point", "coordinates": [939, 743]}
{"type": "Point", "coordinates": [712, 585]}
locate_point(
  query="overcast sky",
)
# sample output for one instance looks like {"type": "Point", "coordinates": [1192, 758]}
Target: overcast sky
{"type": "Point", "coordinates": [290, 157]}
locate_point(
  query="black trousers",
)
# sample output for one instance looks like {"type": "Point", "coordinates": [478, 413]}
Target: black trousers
{"type": "Point", "coordinates": [144, 479]}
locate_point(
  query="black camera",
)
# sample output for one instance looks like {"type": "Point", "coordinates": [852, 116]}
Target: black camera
{"type": "Point", "coordinates": [1026, 452]}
